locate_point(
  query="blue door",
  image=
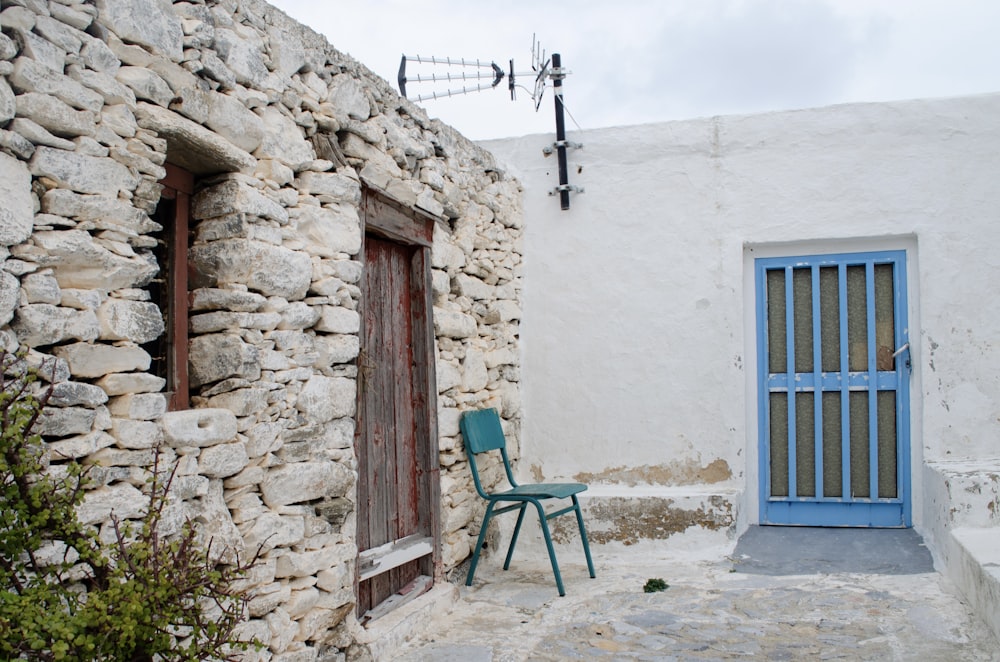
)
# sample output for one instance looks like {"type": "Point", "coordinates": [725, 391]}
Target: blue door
{"type": "Point", "coordinates": [833, 378]}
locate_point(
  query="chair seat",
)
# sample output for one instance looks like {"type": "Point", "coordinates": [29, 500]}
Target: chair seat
{"type": "Point", "coordinates": [543, 490]}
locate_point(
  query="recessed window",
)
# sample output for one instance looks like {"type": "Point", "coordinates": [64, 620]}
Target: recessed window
{"type": "Point", "coordinates": [170, 289]}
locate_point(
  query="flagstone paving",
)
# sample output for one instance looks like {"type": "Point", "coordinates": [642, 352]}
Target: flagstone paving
{"type": "Point", "coordinates": [709, 612]}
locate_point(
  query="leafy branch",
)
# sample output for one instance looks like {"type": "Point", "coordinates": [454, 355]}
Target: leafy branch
{"type": "Point", "coordinates": [66, 594]}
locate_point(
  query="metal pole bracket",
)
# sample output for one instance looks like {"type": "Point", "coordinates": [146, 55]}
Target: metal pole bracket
{"type": "Point", "coordinates": [547, 151]}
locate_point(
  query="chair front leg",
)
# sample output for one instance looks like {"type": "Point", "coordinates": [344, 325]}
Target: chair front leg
{"type": "Point", "coordinates": [513, 538]}
{"type": "Point", "coordinates": [548, 543]}
{"type": "Point", "coordinates": [479, 543]}
{"type": "Point", "coordinates": [583, 537]}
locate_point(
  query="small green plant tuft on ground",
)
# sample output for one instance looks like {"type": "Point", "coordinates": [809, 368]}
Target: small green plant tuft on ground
{"type": "Point", "coordinates": [68, 594]}
{"type": "Point", "coordinates": [655, 585]}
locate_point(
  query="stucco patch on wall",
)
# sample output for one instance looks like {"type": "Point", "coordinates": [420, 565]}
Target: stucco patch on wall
{"type": "Point", "coordinates": [680, 472]}
{"type": "Point", "coordinates": [629, 521]}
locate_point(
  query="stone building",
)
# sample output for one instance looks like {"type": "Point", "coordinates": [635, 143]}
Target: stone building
{"type": "Point", "coordinates": [223, 238]}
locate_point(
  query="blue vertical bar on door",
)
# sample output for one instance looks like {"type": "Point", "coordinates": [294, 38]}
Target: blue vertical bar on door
{"type": "Point", "coordinates": [796, 506]}
{"type": "Point", "coordinates": [790, 369]}
{"type": "Point", "coordinates": [872, 378]}
{"type": "Point", "coordinates": [819, 489]}
{"type": "Point", "coordinates": [845, 386]}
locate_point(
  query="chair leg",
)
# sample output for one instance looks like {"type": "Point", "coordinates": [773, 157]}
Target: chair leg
{"type": "Point", "coordinates": [548, 543]}
{"type": "Point", "coordinates": [583, 537]}
{"type": "Point", "coordinates": [513, 538]}
{"type": "Point", "coordinates": [479, 543]}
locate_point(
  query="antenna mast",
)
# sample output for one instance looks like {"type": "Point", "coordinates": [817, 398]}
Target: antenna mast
{"type": "Point", "coordinates": [488, 75]}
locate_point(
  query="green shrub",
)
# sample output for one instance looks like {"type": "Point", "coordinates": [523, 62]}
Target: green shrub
{"type": "Point", "coordinates": [66, 594]}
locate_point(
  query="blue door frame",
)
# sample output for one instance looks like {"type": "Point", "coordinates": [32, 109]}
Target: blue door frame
{"type": "Point", "coordinates": [833, 390]}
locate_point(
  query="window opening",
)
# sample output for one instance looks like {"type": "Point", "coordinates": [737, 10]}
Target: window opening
{"type": "Point", "coordinates": [170, 288]}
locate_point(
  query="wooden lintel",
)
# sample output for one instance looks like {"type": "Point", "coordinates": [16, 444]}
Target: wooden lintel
{"type": "Point", "coordinates": [393, 554]}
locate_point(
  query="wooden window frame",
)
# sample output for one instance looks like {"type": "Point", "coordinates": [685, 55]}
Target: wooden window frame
{"type": "Point", "coordinates": [178, 185]}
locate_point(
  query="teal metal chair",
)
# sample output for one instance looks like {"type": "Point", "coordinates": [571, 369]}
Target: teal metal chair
{"type": "Point", "coordinates": [483, 433]}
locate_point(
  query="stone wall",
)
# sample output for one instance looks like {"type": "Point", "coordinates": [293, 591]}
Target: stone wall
{"type": "Point", "coordinates": [283, 132]}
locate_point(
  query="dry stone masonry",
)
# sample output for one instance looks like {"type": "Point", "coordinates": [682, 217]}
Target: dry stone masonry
{"type": "Point", "coordinates": [282, 132]}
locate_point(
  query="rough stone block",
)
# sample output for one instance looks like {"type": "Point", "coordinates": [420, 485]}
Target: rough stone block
{"type": "Point", "coordinates": [77, 394]}
{"type": "Point", "coordinates": [10, 288]}
{"type": "Point", "coordinates": [136, 435]}
{"type": "Point", "coordinates": [272, 530]}
{"type": "Point", "coordinates": [338, 348]}
{"type": "Point", "coordinates": [149, 23]}
{"type": "Point", "coordinates": [336, 319]}
{"type": "Point", "coordinates": [307, 564]}
{"type": "Point", "coordinates": [323, 399]}
{"type": "Point", "coordinates": [125, 501]}
{"type": "Point", "coordinates": [215, 299]}
{"type": "Point", "coordinates": [17, 211]}
{"type": "Point", "coordinates": [96, 360]}
{"type": "Point", "coordinates": [55, 115]}
{"type": "Point", "coordinates": [139, 406]}
{"type": "Point", "coordinates": [66, 421]}
{"type": "Point", "coordinates": [138, 321]}
{"type": "Point", "coordinates": [242, 402]}
{"type": "Point", "coordinates": [270, 270]}
{"type": "Point", "coordinates": [80, 446]}
{"type": "Point", "coordinates": [454, 324]}
{"type": "Point", "coordinates": [283, 140]}
{"type": "Point", "coordinates": [231, 197]}
{"type": "Point", "coordinates": [221, 356]}
{"type": "Point", "coordinates": [192, 146]}
{"type": "Point", "coordinates": [243, 57]}
{"type": "Point", "coordinates": [131, 382]}
{"type": "Point", "coordinates": [79, 262]}
{"type": "Point", "coordinates": [82, 173]}
{"type": "Point", "coordinates": [305, 481]}
{"type": "Point", "coordinates": [298, 315]}
{"type": "Point", "coordinates": [327, 231]}
{"type": "Point", "coordinates": [472, 287]}
{"type": "Point", "coordinates": [8, 104]}
{"type": "Point", "coordinates": [42, 324]}
{"type": "Point", "coordinates": [334, 185]}
{"type": "Point", "coordinates": [223, 460]}
{"type": "Point", "coordinates": [30, 76]}
{"type": "Point", "coordinates": [98, 56]}
{"type": "Point", "coordinates": [232, 120]}
{"type": "Point", "coordinates": [198, 427]}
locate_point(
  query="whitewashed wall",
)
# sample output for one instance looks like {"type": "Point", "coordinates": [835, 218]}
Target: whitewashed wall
{"type": "Point", "coordinates": [638, 333]}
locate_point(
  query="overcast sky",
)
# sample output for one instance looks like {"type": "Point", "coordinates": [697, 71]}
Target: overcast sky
{"type": "Point", "coordinates": [639, 61]}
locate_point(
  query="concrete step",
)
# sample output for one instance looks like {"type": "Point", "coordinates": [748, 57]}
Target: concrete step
{"type": "Point", "coordinates": [974, 566]}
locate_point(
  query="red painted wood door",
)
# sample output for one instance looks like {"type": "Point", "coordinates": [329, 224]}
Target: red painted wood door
{"type": "Point", "coordinates": [394, 529]}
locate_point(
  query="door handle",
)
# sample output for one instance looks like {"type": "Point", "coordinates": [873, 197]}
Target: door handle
{"type": "Point", "coordinates": [902, 349]}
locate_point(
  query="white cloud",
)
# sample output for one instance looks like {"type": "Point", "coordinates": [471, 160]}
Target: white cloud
{"type": "Point", "coordinates": [636, 61]}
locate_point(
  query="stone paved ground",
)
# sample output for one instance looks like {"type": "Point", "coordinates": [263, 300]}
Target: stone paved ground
{"type": "Point", "coordinates": [709, 612]}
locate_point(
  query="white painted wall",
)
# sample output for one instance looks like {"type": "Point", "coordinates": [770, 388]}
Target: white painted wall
{"type": "Point", "coordinates": [638, 328]}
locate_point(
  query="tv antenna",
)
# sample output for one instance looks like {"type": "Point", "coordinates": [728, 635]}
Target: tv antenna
{"type": "Point", "coordinates": [477, 75]}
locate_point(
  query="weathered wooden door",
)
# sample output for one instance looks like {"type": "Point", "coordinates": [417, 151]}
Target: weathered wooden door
{"type": "Point", "coordinates": [834, 372]}
{"type": "Point", "coordinates": [396, 434]}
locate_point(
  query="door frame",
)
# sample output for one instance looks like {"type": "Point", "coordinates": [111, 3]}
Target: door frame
{"type": "Point", "coordinates": [385, 217]}
{"type": "Point", "coordinates": [750, 512]}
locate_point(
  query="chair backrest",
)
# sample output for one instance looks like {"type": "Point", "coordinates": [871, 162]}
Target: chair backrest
{"type": "Point", "coordinates": [482, 431]}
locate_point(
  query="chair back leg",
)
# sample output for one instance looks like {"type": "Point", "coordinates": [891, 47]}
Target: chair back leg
{"type": "Point", "coordinates": [513, 538]}
{"type": "Point", "coordinates": [479, 543]}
